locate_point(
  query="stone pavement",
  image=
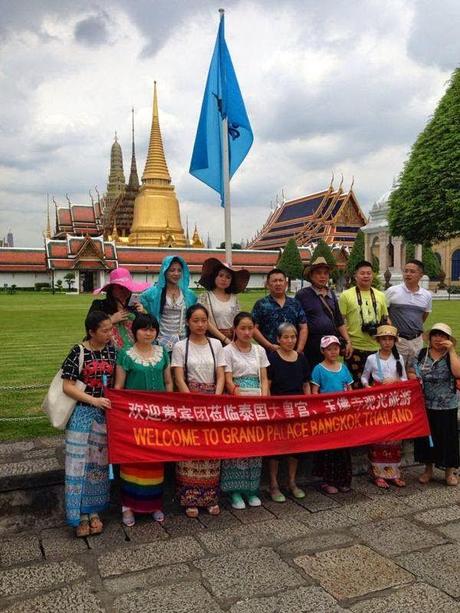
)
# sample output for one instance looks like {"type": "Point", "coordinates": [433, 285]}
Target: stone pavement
{"type": "Point", "coordinates": [366, 551]}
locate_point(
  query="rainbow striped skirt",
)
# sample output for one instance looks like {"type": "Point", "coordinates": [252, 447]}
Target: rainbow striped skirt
{"type": "Point", "coordinates": [142, 487]}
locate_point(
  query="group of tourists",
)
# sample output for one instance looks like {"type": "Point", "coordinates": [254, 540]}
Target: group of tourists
{"type": "Point", "coordinates": [164, 338]}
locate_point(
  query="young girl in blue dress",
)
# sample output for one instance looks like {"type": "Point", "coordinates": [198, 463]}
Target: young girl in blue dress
{"type": "Point", "coordinates": [329, 376]}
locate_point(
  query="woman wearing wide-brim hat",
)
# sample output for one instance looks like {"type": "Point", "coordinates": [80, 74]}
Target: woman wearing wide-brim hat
{"type": "Point", "coordinates": [222, 283]}
{"type": "Point", "coordinates": [438, 367]}
{"type": "Point", "coordinates": [118, 291]}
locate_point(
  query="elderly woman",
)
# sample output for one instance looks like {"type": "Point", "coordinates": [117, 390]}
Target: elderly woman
{"type": "Point", "coordinates": [119, 291]}
{"type": "Point", "coordinates": [222, 283]}
{"type": "Point", "coordinates": [437, 366]}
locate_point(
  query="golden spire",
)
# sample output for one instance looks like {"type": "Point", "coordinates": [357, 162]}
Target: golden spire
{"type": "Point", "coordinates": [48, 223]}
{"type": "Point", "coordinates": [156, 169]}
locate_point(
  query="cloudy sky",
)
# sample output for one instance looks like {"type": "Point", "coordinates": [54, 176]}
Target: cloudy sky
{"type": "Point", "coordinates": [328, 85]}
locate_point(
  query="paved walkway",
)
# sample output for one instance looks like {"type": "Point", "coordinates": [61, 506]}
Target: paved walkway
{"type": "Point", "coordinates": [366, 551]}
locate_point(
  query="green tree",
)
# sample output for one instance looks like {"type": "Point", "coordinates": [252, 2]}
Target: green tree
{"type": "Point", "coordinates": [290, 261]}
{"type": "Point", "coordinates": [69, 278]}
{"type": "Point", "coordinates": [425, 206]}
{"type": "Point", "coordinates": [356, 253]}
{"type": "Point", "coordinates": [322, 250]}
{"type": "Point", "coordinates": [234, 245]}
{"type": "Point", "coordinates": [59, 285]}
{"type": "Point", "coordinates": [430, 261]}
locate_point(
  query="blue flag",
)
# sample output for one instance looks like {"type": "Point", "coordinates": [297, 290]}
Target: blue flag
{"type": "Point", "coordinates": [222, 98]}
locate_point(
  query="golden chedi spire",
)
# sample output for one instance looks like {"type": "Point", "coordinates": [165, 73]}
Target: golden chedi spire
{"type": "Point", "coordinates": [156, 201]}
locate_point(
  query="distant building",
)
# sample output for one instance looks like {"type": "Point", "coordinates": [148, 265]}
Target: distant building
{"type": "Point", "coordinates": [332, 215]}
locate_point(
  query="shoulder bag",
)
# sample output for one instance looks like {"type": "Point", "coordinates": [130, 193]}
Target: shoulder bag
{"type": "Point", "coordinates": [57, 405]}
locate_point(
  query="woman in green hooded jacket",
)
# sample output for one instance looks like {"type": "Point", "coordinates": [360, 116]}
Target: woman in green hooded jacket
{"type": "Point", "coordinates": [169, 299]}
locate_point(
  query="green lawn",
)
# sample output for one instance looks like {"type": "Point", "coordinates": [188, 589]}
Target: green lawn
{"type": "Point", "coordinates": [37, 333]}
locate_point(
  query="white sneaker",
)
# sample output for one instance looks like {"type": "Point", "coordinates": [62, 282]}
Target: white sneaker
{"type": "Point", "coordinates": [237, 502]}
{"type": "Point", "coordinates": [254, 501]}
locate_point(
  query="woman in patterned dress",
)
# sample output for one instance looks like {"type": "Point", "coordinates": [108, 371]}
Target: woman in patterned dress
{"type": "Point", "coordinates": [198, 365]}
{"type": "Point", "coordinates": [144, 366]}
{"type": "Point", "coordinates": [116, 305]}
{"type": "Point", "coordinates": [86, 463]}
{"type": "Point", "coordinates": [245, 374]}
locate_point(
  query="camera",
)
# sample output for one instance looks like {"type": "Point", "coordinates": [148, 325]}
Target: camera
{"type": "Point", "coordinates": [370, 328]}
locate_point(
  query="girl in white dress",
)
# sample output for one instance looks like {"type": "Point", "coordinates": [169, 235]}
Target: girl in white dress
{"type": "Point", "coordinates": [245, 374]}
{"type": "Point", "coordinates": [382, 368]}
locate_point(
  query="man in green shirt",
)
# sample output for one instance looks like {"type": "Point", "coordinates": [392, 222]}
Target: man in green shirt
{"type": "Point", "coordinates": [364, 308]}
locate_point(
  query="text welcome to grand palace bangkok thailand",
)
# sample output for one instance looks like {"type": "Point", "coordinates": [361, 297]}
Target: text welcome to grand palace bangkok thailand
{"type": "Point", "coordinates": [152, 426]}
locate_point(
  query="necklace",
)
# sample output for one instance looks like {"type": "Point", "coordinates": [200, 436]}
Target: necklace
{"type": "Point", "coordinates": [239, 348]}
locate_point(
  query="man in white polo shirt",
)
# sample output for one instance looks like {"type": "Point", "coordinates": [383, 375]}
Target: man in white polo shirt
{"type": "Point", "coordinates": [409, 305]}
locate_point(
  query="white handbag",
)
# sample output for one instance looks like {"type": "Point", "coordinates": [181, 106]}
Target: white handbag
{"type": "Point", "coordinates": [57, 405]}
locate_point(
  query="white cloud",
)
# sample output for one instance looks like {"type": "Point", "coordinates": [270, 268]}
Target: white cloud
{"type": "Point", "coordinates": [328, 86]}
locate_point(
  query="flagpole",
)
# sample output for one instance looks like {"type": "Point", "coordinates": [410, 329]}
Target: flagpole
{"type": "Point", "coordinates": [226, 182]}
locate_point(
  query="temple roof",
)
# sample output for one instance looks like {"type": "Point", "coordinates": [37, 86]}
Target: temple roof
{"type": "Point", "coordinates": [331, 215]}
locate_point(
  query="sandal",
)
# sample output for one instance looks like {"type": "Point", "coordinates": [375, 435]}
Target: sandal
{"type": "Point", "coordinates": [95, 525]}
{"type": "Point", "coordinates": [425, 478]}
{"type": "Point", "coordinates": [379, 482]}
{"type": "Point", "coordinates": [276, 495]}
{"type": "Point", "coordinates": [214, 509]}
{"type": "Point", "coordinates": [452, 479]}
{"type": "Point", "coordinates": [399, 482]}
{"type": "Point", "coordinates": [328, 489]}
{"type": "Point", "coordinates": [128, 519]}
{"type": "Point", "coordinates": [158, 516]}
{"type": "Point", "coordinates": [191, 512]}
{"type": "Point", "coordinates": [82, 529]}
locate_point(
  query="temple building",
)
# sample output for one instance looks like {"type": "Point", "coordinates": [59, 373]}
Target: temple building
{"type": "Point", "coordinates": [332, 215]}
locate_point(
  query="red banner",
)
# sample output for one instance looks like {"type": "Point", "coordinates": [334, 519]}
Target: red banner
{"type": "Point", "coordinates": [161, 426]}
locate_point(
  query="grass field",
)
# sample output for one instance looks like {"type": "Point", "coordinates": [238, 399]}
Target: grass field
{"type": "Point", "coordinates": [37, 332]}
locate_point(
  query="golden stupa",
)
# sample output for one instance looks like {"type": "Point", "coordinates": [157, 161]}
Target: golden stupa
{"type": "Point", "coordinates": [156, 219]}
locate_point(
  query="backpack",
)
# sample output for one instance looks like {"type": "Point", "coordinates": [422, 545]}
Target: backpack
{"type": "Point", "coordinates": [422, 355]}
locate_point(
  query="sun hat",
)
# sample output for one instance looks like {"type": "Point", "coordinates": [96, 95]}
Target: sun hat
{"type": "Point", "coordinates": [320, 262]}
{"type": "Point", "coordinates": [387, 331]}
{"type": "Point", "coordinates": [443, 328]}
{"type": "Point", "coordinates": [329, 340]}
{"type": "Point", "coordinates": [122, 276]}
{"type": "Point", "coordinates": [211, 266]}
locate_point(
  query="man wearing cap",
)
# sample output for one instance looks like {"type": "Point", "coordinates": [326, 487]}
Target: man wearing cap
{"type": "Point", "coordinates": [321, 309]}
{"type": "Point", "coordinates": [275, 309]}
{"type": "Point", "coordinates": [364, 309]}
{"type": "Point", "coordinates": [409, 306]}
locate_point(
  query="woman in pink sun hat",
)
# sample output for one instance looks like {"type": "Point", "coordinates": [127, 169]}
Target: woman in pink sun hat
{"type": "Point", "coordinates": [119, 290]}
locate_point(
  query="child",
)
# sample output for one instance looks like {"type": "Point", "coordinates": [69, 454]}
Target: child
{"type": "Point", "coordinates": [143, 366]}
{"type": "Point", "coordinates": [198, 364]}
{"type": "Point", "coordinates": [288, 374]}
{"type": "Point", "coordinates": [385, 367]}
{"type": "Point", "coordinates": [334, 467]}
{"type": "Point", "coordinates": [245, 374]}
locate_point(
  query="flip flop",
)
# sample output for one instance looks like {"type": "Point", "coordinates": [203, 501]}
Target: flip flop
{"type": "Point", "coordinates": [214, 509]}
{"type": "Point", "coordinates": [158, 516]}
{"type": "Point", "coordinates": [192, 512]}
{"type": "Point", "coordinates": [399, 482]}
{"type": "Point", "coordinates": [425, 478]}
{"type": "Point", "coordinates": [379, 482]}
